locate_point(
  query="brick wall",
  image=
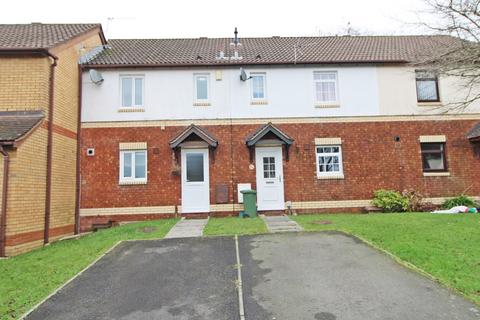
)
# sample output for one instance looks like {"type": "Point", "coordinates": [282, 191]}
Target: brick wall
{"type": "Point", "coordinates": [24, 85]}
{"type": "Point", "coordinates": [371, 159]}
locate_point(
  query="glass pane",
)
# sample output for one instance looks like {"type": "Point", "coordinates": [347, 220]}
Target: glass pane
{"type": "Point", "coordinates": [127, 165]}
{"type": "Point", "coordinates": [427, 90]}
{"type": "Point", "coordinates": [336, 167]}
{"type": "Point", "coordinates": [335, 149]}
{"type": "Point", "coordinates": [432, 147]}
{"type": "Point", "coordinates": [433, 161]}
{"type": "Point", "coordinates": [194, 167]}
{"type": "Point", "coordinates": [138, 91]}
{"type": "Point", "coordinates": [126, 92]}
{"type": "Point", "coordinates": [258, 87]}
{"type": "Point", "coordinates": [140, 165]}
{"type": "Point", "coordinates": [202, 88]}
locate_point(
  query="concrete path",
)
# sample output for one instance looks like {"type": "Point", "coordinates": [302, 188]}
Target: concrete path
{"type": "Point", "coordinates": [281, 224]}
{"type": "Point", "coordinates": [187, 228]}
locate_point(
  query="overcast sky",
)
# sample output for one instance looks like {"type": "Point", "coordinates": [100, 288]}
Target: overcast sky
{"type": "Point", "coordinates": [214, 18]}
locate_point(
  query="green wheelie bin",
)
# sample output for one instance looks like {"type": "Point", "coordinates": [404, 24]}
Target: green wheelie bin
{"type": "Point", "coordinates": [250, 202]}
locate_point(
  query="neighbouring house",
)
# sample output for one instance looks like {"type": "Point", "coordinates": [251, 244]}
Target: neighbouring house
{"type": "Point", "coordinates": [39, 127]}
{"type": "Point", "coordinates": [314, 124]}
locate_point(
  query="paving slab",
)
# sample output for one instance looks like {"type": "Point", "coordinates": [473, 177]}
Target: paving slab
{"type": "Point", "coordinates": [281, 224]}
{"type": "Point", "coordinates": [166, 279]}
{"type": "Point", "coordinates": [328, 276]}
{"type": "Point", "coordinates": [187, 228]}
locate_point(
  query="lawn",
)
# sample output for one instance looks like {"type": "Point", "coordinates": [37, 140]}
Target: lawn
{"type": "Point", "coordinates": [445, 246]}
{"type": "Point", "coordinates": [26, 279]}
{"type": "Point", "coordinates": [234, 225]}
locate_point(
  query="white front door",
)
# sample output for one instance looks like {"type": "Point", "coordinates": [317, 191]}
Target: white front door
{"type": "Point", "coordinates": [269, 178]}
{"type": "Point", "coordinates": [195, 181]}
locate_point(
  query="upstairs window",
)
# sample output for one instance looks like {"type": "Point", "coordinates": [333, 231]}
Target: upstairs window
{"type": "Point", "coordinates": [133, 166]}
{"type": "Point", "coordinates": [326, 87]}
{"type": "Point", "coordinates": [433, 157]}
{"type": "Point", "coordinates": [132, 91]}
{"type": "Point", "coordinates": [202, 88]}
{"type": "Point", "coordinates": [329, 160]}
{"type": "Point", "coordinates": [258, 87]}
{"type": "Point", "coordinates": [427, 86]}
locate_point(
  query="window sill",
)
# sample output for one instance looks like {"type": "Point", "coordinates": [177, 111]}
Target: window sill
{"type": "Point", "coordinates": [331, 177]}
{"type": "Point", "coordinates": [436, 174]}
{"type": "Point", "coordinates": [430, 104]}
{"type": "Point", "coordinates": [132, 182]}
{"type": "Point", "coordinates": [259, 102]}
{"type": "Point", "coordinates": [201, 104]}
{"type": "Point", "coordinates": [131, 110]}
{"type": "Point", "coordinates": [327, 105]}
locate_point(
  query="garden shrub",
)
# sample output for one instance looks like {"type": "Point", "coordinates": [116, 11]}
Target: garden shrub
{"type": "Point", "coordinates": [414, 198]}
{"type": "Point", "coordinates": [459, 201]}
{"type": "Point", "coordinates": [390, 201]}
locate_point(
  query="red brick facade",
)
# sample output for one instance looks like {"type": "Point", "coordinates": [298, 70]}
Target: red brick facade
{"type": "Point", "coordinates": [372, 160]}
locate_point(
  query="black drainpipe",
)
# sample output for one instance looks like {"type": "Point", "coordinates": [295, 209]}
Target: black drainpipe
{"type": "Point", "coordinates": [3, 217]}
{"type": "Point", "coordinates": [48, 189]}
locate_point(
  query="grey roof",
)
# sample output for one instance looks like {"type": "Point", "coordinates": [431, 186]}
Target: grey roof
{"type": "Point", "coordinates": [274, 50]}
{"type": "Point", "coordinates": [15, 125]}
{"type": "Point", "coordinates": [39, 35]}
{"type": "Point", "coordinates": [194, 130]}
{"type": "Point", "coordinates": [474, 133]}
{"type": "Point", "coordinates": [262, 131]}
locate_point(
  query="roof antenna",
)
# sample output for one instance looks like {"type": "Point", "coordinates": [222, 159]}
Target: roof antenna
{"type": "Point", "coordinates": [235, 40]}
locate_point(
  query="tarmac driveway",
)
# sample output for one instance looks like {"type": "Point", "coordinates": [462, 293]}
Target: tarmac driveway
{"type": "Point", "coordinates": [319, 276]}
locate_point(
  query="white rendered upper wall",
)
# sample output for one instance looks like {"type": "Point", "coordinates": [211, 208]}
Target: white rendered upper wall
{"type": "Point", "coordinates": [168, 94]}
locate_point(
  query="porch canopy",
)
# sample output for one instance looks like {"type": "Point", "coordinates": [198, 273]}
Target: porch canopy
{"type": "Point", "coordinates": [268, 133]}
{"type": "Point", "coordinates": [17, 125]}
{"type": "Point", "coordinates": [474, 134]}
{"type": "Point", "coordinates": [194, 134]}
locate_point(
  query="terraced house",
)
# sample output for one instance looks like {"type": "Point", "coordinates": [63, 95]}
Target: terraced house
{"type": "Point", "coordinates": [314, 124]}
{"type": "Point", "coordinates": [39, 109]}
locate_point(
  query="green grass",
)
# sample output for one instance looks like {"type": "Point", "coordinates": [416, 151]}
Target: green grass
{"type": "Point", "coordinates": [234, 225]}
{"type": "Point", "coordinates": [26, 279]}
{"type": "Point", "coordinates": [445, 246]}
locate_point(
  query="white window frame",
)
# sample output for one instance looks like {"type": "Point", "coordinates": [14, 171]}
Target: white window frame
{"type": "Point", "coordinates": [195, 91]}
{"type": "Point", "coordinates": [133, 77]}
{"type": "Point", "coordinates": [132, 179]}
{"type": "Point", "coordinates": [264, 76]}
{"type": "Point", "coordinates": [333, 174]}
{"type": "Point", "coordinates": [315, 81]}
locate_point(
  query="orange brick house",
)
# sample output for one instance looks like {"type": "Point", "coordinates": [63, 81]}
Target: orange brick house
{"type": "Point", "coordinates": [39, 121]}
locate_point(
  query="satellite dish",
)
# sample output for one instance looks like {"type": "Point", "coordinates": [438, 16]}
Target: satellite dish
{"type": "Point", "coordinates": [243, 75]}
{"type": "Point", "coordinates": [96, 76]}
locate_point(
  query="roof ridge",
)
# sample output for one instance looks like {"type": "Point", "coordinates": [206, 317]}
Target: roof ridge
{"type": "Point", "coordinates": [292, 37]}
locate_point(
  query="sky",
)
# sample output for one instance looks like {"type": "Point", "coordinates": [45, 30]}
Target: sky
{"type": "Point", "coordinates": [215, 18]}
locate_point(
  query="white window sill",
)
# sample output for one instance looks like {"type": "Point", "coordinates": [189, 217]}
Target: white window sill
{"type": "Point", "coordinates": [201, 104]}
{"type": "Point", "coordinates": [259, 102]}
{"type": "Point", "coordinates": [327, 105]}
{"type": "Point", "coordinates": [131, 109]}
{"type": "Point", "coordinates": [436, 174]}
{"type": "Point", "coordinates": [430, 104]}
{"type": "Point", "coordinates": [131, 182]}
{"type": "Point", "coordinates": [331, 177]}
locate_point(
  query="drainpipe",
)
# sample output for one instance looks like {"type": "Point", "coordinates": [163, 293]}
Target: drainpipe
{"type": "Point", "coordinates": [78, 177]}
{"type": "Point", "coordinates": [48, 189]}
{"type": "Point", "coordinates": [3, 217]}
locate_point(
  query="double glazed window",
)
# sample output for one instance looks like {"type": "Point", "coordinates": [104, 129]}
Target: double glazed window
{"type": "Point", "coordinates": [433, 157]}
{"type": "Point", "coordinates": [258, 87]}
{"type": "Point", "coordinates": [202, 88]}
{"type": "Point", "coordinates": [132, 91]}
{"type": "Point", "coordinates": [133, 166]}
{"type": "Point", "coordinates": [329, 160]}
{"type": "Point", "coordinates": [427, 86]}
{"type": "Point", "coordinates": [326, 87]}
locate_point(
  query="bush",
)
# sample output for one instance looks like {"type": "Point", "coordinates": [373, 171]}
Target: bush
{"type": "Point", "coordinates": [390, 201]}
{"type": "Point", "coordinates": [414, 199]}
{"type": "Point", "coordinates": [459, 201]}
